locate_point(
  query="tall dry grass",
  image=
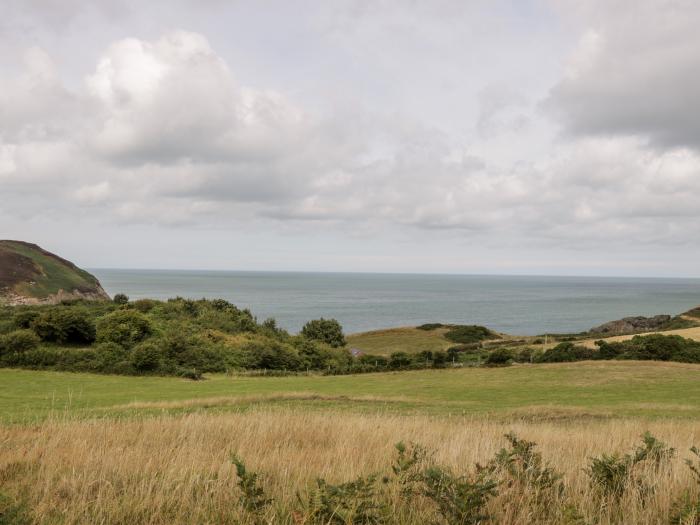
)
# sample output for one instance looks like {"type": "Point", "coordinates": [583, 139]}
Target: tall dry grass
{"type": "Point", "coordinates": [177, 469]}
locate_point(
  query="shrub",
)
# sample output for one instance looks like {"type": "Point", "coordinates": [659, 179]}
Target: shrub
{"type": "Point", "coordinates": [566, 352]}
{"type": "Point", "coordinates": [400, 360]}
{"type": "Point", "coordinates": [146, 357]}
{"type": "Point", "coordinates": [253, 498]}
{"type": "Point", "coordinates": [468, 334]}
{"type": "Point", "coordinates": [430, 326]}
{"type": "Point", "coordinates": [440, 358]}
{"type": "Point", "coordinates": [523, 465]}
{"type": "Point", "coordinates": [459, 499]}
{"type": "Point", "coordinates": [272, 355]}
{"type": "Point", "coordinates": [349, 503]}
{"type": "Point", "coordinates": [24, 318]}
{"type": "Point", "coordinates": [144, 305]}
{"type": "Point", "coordinates": [687, 510]}
{"type": "Point", "coordinates": [613, 474]}
{"type": "Point", "coordinates": [327, 331]}
{"type": "Point", "coordinates": [120, 298]}
{"type": "Point", "coordinates": [499, 357]}
{"type": "Point", "coordinates": [65, 325]}
{"type": "Point", "coordinates": [124, 327]}
{"type": "Point", "coordinates": [18, 341]}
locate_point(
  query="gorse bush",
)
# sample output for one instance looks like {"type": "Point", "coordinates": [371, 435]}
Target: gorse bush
{"type": "Point", "coordinates": [613, 474]}
{"type": "Point", "coordinates": [517, 474]}
{"type": "Point", "coordinates": [356, 502]}
{"type": "Point", "coordinates": [687, 510]}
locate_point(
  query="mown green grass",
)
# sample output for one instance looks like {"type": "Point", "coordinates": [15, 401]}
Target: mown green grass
{"type": "Point", "coordinates": [591, 389]}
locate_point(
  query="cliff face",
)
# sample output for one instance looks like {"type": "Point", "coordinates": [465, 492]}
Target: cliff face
{"type": "Point", "coordinates": [31, 275]}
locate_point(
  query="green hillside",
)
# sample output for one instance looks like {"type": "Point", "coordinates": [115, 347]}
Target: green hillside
{"type": "Point", "coordinates": [29, 274]}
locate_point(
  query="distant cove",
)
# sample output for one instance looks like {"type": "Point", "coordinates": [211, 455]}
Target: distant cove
{"type": "Point", "coordinates": [361, 302]}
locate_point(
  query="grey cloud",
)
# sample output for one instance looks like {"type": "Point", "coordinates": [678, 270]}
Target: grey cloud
{"type": "Point", "coordinates": [636, 71]}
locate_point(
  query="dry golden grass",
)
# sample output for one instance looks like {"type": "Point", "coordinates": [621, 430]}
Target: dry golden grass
{"type": "Point", "coordinates": [176, 469]}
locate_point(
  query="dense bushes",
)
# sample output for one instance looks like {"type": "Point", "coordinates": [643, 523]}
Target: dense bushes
{"type": "Point", "coordinates": [124, 327]}
{"type": "Point", "coordinates": [468, 334]}
{"type": "Point", "coordinates": [18, 341]}
{"type": "Point", "coordinates": [654, 347]}
{"type": "Point", "coordinates": [566, 352]}
{"type": "Point", "coordinates": [175, 337]}
{"type": "Point", "coordinates": [327, 331]}
{"type": "Point", "coordinates": [65, 324]}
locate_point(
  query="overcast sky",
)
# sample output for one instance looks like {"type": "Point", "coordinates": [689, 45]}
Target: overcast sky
{"type": "Point", "coordinates": [495, 136]}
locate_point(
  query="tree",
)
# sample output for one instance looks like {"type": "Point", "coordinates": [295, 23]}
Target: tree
{"type": "Point", "coordinates": [327, 331]}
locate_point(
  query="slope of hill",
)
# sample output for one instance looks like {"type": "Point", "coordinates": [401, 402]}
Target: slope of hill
{"type": "Point", "coordinates": [31, 275]}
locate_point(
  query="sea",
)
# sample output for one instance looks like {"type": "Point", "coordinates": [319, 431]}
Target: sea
{"type": "Point", "coordinates": [523, 305]}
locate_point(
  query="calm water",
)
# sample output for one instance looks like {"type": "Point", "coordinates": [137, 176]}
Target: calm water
{"type": "Point", "coordinates": [518, 305]}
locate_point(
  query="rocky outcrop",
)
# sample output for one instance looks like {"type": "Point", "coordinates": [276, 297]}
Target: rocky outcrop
{"type": "Point", "coordinates": [10, 298]}
{"type": "Point", "coordinates": [630, 325]}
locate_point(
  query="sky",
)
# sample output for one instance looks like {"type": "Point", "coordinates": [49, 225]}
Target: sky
{"type": "Point", "coordinates": [439, 136]}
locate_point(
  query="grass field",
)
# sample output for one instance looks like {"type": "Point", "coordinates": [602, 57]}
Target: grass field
{"type": "Point", "coordinates": [597, 388]}
{"type": "Point", "coordinates": [406, 339]}
{"type": "Point", "coordinates": [80, 448]}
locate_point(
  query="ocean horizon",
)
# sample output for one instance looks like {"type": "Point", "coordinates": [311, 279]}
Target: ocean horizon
{"type": "Point", "coordinates": [515, 304]}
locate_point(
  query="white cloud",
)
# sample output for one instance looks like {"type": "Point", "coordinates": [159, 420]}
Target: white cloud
{"type": "Point", "coordinates": [167, 131]}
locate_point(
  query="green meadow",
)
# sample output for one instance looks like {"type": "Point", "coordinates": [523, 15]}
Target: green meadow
{"type": "Point", "coordinates": [546, 391]}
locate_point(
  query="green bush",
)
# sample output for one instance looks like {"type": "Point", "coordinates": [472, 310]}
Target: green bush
{"type": "Point", "coordinates": [146, 357]}
{"type": "Point", "coordinates": [144, 305]}
{"type": "Point", "coordinates": [120, 298]}
{"type": "Point", "coordinates": [499, 357]}
{"type": "Point", "coordinates": [271, 355]}
{"type": "Point", "coordinates": [566, 352]}
{"type": "Point", "coordinates": [327, 331]}
{"type": "Point", "coordinates": [24, 318]}
{"type": "Point", "coordinates": [351, 503]}
{"type": "Point", "coordinates": [612, 474]}
{"type": "Point", "coordinates": [400, 360]}
{"type": "Point", "coordinates": [124, 327]}
{"type": "Point", "coordinates": [468, 334]}
{"type": "Point", "coordinates": [430, 326]}
{"type": "Point", "coordinates": [18, 341]}
{"type": "Point", "coordinates": [459, 499]}
{"type": "Point", "coordinates": [65, 324]}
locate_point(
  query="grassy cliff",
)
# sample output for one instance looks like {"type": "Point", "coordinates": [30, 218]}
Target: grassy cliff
{"type": "Point", "coordinates": [31, 275]}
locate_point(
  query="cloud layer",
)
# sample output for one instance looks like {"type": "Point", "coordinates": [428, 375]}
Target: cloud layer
{"type": "Point", "coordinates": [163, 131]}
